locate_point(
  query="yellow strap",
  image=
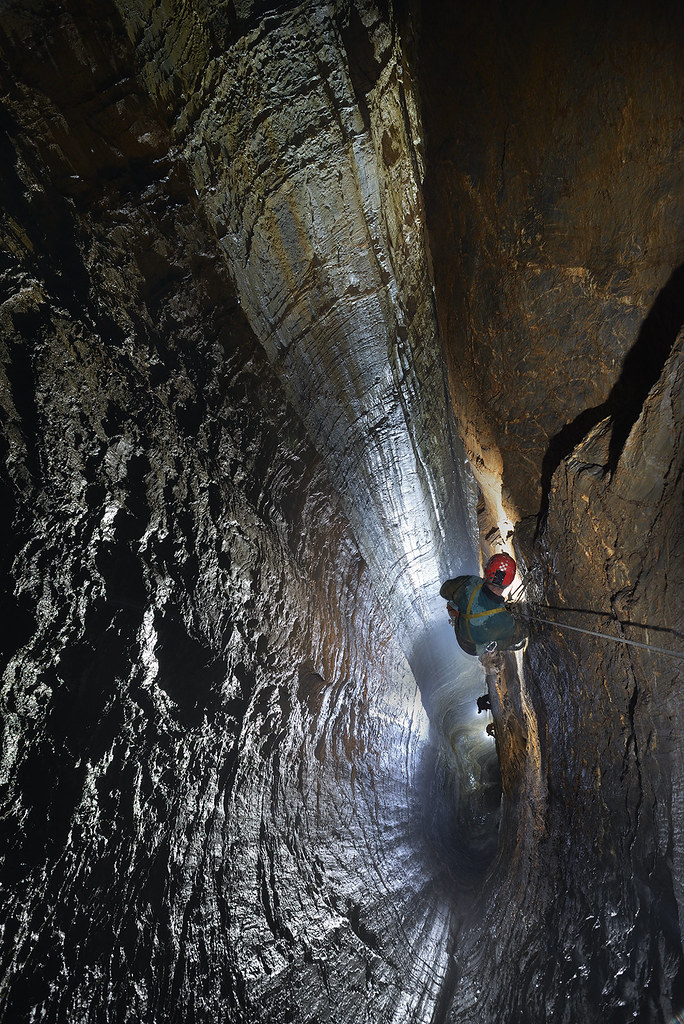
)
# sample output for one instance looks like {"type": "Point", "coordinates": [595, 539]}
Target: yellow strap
{"type": "Point", "coordinates": [478, 615]}
{"type": "Point", "coordinates": [474, 594]}
{"type": "Point", "coordinates": [492, 611]}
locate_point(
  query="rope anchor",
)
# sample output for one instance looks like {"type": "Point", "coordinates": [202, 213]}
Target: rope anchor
{"type": "Point", "coordinates": [517, 598]}
{"type": "Point", "coordinates": [607, 636]}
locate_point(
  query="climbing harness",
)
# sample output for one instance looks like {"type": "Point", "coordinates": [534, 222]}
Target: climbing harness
{"type": "Point", "coordinates": [478, 615]}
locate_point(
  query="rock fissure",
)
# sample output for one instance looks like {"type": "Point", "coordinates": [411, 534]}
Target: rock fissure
{"type": "Point", "coordinates": [642, 366]}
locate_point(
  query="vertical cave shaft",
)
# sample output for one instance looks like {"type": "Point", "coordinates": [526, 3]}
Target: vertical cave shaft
{"type": "Point", "coordinates": [300, 307]}
{"type": "Point", "coordinates": [231, 492]}
{"type": "Point", "coordinates": [555, 233]}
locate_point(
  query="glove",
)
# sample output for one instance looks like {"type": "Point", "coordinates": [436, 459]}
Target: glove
{"type": "Point", "coordinates": [453, 611]}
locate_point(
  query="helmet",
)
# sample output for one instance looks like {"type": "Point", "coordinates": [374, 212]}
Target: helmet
{"type": "Point", "coordinates": [500, 570]}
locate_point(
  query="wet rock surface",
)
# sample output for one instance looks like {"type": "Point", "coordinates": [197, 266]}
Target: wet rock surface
{"type": "Point", "coordinates": [218, 794]}
{"type": "Point", "coordinates": [553, 196]}
{"type": "Point", "coordinates": [544, 205]}
{"type": "Point", "coordinates": [196, 735]}
{"type": "Point", "coordinates": [243, 772]}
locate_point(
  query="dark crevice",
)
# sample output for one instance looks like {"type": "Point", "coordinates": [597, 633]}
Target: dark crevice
{"type": "Point", "coordinates": [368, 937]}
{"type": "Point", "coordinates": [644, 362]}
{"type": "Point", "coordinates": [641, 369]}
{"type": "Point", "coordinates": [363, 67]}
{"type": "Point", "coordinates": [447, 992]}
{"type": "Point", "coordinates": [51, 226]}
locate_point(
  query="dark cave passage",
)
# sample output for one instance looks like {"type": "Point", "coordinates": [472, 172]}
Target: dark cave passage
{"type": "Point", "coordinates": [462, 778]}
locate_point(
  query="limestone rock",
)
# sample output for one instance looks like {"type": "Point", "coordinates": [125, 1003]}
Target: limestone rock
{"type": "Point", "coordinates": [261, 265]}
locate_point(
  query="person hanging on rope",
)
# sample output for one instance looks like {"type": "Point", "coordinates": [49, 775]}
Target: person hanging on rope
{"type": "Point", "coordinates": [478, 611]}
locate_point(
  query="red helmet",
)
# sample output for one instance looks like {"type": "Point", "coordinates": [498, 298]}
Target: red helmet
{"type": "Point", "coordinates": [500, 570]}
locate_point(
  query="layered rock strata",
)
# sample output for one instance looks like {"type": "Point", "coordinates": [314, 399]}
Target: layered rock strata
{"type": "Point", "coordinates": [197, 734]}
{"type": "Point", "coordinates": [216, 792]}
{"type": "Point", "coordinates": [554, 199]}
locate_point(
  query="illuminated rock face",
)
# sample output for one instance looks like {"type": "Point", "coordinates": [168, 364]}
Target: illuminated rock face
{"type": "Point", "coordinates": [553, 198]}
{"type": "Point", "coordinates": [233, 484]}
{"type": "Point", "coordinates": [556, 237]}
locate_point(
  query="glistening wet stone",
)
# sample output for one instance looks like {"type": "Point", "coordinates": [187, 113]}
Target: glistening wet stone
{"type": "Point", "coordinates": [244, 775]}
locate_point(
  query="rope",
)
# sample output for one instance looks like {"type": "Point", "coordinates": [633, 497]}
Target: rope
{"type": "Point", "coordinates": [607, 636]}
{"type": "Point", "coordinates": [524, 583]}
{"type": "Point", "coordinates": [516, 598]}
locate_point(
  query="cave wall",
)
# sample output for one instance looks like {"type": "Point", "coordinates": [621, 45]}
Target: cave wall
{"type": "Point", "coordinates": [299, 131]}
{"type": "Point", "coordinates": [185, 699]}
{"type": "Point", "coordinates": [211, 738]}
{"type": "Point", "coordinates": [219, 522]}
{"type": "Point", "coordinates": [240, 243]}
{"type": "Point", "coordinates": [554, 205]}
{"type": "Point", "coordinates": [587, 733]}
